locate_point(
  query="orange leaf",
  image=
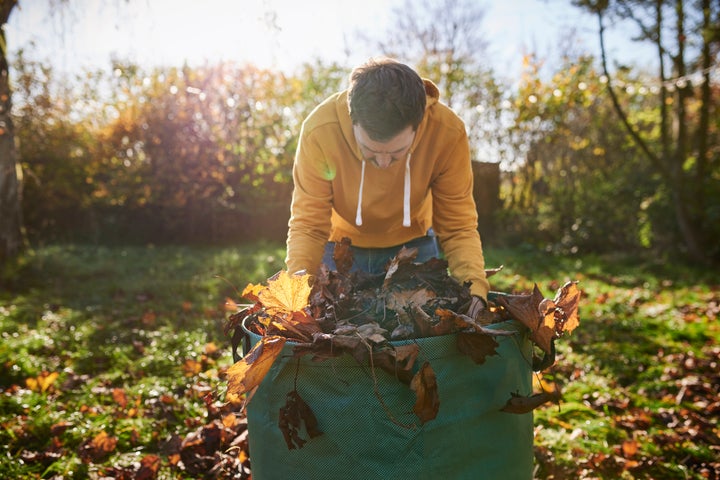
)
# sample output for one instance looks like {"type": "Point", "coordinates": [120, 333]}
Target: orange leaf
{"type": "Point", "coordinates": [545, 332]}
{"type": "Point", "coordinates": [97, 448]}
{"type": "Point", "coordinates": [42, 382]}
{"type": "Point", "coordinates": [232, 306]}
{"type": "Point", "coordinates": [568, 299]}
{"type": "Point", "coordinates": [149, 466]}
{"type": "Point", "coordinates": [191, 367]}
{"type": "Point", "coordinates": [427, 402]}
{"type": "Point", "coordinates": [247, 373]}
{"type": "Point", "coordinates": [252, 291]}
{"type": "Point", "coordinates": [629, 448]}
{"type": "Point", "coordinates": [119, 397]}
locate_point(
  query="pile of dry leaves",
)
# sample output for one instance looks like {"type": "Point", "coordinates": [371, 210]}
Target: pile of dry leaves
{"type": "Point", "coordinates": [362, 315]}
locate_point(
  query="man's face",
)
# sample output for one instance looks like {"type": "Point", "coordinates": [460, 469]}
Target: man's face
{"type": "Point", "coordinates": [384, 154]}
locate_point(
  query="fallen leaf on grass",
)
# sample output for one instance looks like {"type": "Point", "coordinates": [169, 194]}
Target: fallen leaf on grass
{"type": "Point", "coordinates": [42, 382]}
{"type": "Point", "coordinates": [97, 448]}
{"type": "Point", "coordinates": [119, 397]}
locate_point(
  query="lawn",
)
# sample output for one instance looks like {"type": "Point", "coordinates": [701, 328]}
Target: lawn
{"type": "Point", "coordinates": [114, 359]}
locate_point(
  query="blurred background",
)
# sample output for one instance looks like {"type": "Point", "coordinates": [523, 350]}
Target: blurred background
{"type": "Point", "coordinates": [594, 125]}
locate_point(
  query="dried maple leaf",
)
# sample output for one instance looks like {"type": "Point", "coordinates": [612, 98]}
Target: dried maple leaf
{"type": "Point", "coordinates": [398, 361]}
{"type": "Point", "coordinates": [545, 333]}
{"type": "Point", "coordinates": [536, 313]}
{"type": "Point", "coordinates": [524, 308]}
{"type": "Point", "coordinates": [519, 404]}
{"type": "Point", "coordinates": [405, 255]}
{"type": "Point", "coordinates": [325, 345]}
{"type": "Point", "coordinates": [401, 299]}
{"type": "Point", "coordinates": [252, 291]}
{"type": "Point", "coordinates": [287, 294]}
{"type": "Point", "coordinates": [568, 300]}
{"type": "Point", "coordinates": [149, 466]}
{"type": "Point", "coordinates": [293, 415]}
{"type": "Point", "coordinates": [427, 401]}
{"type": "Point", "coordinates": [343, 256]}
{"type": "Point", "coordinates": [247, 373]}
{"type": "Point", "coordinates": [489, 272]}
{"type": "Point", "coordinates": [477, 346]}
{"type": "Point", "coordinates": [97, 448]}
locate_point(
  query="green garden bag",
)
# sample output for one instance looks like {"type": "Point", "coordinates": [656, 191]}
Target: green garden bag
{"type": "Point", "coordinates": [369, 430]}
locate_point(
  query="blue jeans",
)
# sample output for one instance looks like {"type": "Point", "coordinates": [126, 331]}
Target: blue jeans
{"type": "Point", "coordinates": [374, 260]}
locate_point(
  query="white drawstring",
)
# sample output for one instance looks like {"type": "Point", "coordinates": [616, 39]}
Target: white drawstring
{"type": "Point", "coordinates": [406, 195]}
{"type": "Point", "coordinates": [358, 215]}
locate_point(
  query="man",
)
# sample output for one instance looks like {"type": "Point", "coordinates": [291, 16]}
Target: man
{"type": "Point", "coordinates": [387, 165]}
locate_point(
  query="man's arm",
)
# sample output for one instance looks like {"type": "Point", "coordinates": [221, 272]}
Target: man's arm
{"type": "Point", "coordinates": [311, 207]}
{"type": "Point", "coordinates": [455, 218]}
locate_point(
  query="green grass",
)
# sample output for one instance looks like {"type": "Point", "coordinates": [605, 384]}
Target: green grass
{"type": "Point", "coordinates": [135, 336]}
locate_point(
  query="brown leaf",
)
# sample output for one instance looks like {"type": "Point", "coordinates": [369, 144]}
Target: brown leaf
{"type": "Point", "coordinates": [343, 256]}
{"type": "Point", "coordinates": [296, 325]}
{"type": "Point", "coordinates": [293, 415]}
{"type": "Point", "coordinates": [545, 332]}
{"type": "Point", "coordinates": [402, 299]}
{"type": "Point", "coordinates": [60, 427]}
{"type": "Point", "coordinates": [405, 255]}
{"type": "Point", "coordinates": [630, 448]}
{"type": "Point", "coordinates": [149, 467]}
{"type": "Point", "coordinates": [519, 404]}
{"type": "Point", "coordinates": [398, 361]}
{"type": "Point", "coordinates": [119, 397]}
{"type": "Point", "coordinates": [427, 402]}
{"type": "Point", "coordinates": [489, 272]}
{"type": "Point", "coordinates": [325, 345]}
{"type": "Point", "coordinates": [97, 448]}
{"type": "Point", "coordinates": [477, 346]}
{"type": "Point", "coordinates": [568, 299]}
{"type": "Point", "coordinates": [247, 373]}
{"type": "Point", "coordinates": [524, 308]}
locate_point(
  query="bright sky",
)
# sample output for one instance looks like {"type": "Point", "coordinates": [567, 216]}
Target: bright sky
{"type": "Point", "coordinates": [268, 33]}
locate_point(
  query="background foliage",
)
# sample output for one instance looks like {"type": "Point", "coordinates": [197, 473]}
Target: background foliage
{"type": "Point", "coordinates": [204, 154]}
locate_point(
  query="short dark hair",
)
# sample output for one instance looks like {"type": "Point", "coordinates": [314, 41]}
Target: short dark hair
{"type": "Point", "coordinates": [385, 97]}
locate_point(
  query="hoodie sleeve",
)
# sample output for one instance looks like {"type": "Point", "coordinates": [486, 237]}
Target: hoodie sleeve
{"type": "Point", "coordinates": [311, 206]}
{"type": "Point", "coordinates": [455, 218]}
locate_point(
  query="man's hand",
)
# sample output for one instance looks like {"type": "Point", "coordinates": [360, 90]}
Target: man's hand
{"type": "Point", "coordinates": [477, 307]}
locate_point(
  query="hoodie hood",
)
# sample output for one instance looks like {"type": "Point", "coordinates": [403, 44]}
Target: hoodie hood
{"type": "Point", "coordinates": [343, 113]}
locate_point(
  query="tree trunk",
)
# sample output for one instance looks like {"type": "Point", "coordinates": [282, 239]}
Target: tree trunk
{"type": "Point", "coordinates": [669, 163]}
{"type": "Point", "coordinates": [10, 208]}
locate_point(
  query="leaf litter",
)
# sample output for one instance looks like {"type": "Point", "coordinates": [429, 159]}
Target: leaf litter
{"type": "Point", "coordinates": [343, 312]}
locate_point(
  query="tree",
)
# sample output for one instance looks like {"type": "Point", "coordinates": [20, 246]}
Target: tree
{"type": "Point", "coordinates": [581, 175]}
{"type": "Point", "coordinates": [445, 41]}
{"type": "Point", "coordinates": [686, 34]}
{"type": "Point", "coordinates": [11, 239]}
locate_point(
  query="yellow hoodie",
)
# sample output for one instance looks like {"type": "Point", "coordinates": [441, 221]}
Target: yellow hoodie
{"type": "Point", "coordinates": [338, 195]}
